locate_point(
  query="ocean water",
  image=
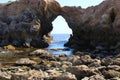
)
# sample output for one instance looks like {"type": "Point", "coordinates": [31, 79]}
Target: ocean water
{"type": "Point", "coordinates": [57, 46]}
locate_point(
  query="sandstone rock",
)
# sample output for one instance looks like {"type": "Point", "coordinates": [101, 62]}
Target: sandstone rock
{"type": "Point", "coordinates": [25, 61]}
{"type": "Point", "coordinates": [94, 26]}
{"type": "Point", "coordinates": [29, 20]}
{"type": "Point", "coordinates": [111, 74]}
{"type": "Point", "coordinates": [9, 47]}
{"type": "Point", "coordinates": [4, 76]}
{"type": "Point", "coordinates": [114, 67]}
{"type": "Point", "coordinates": [95, 77]}
{"type": "Point", "coordinates": [86, 59]}
{"type": "Point", "coordinates": [116, 78]}
{"type": "Point", "coordinates": [43, 54]}
{"type": "Point", "coordinates": [107, 61]}
{"type": "Point", "coordinates": [30, 75]}
{"type": "Point", "coordinates": [117, 61]}
{"type": "Point", "coordinates": [54, 72]}
{"type": "Point", "coordinates": [38, 52]}
{"type": "Point", "coordinates": [74, 59]}
{"type": "Point", "coordinates": [95, 63]}
{"type": "Point", "coordinates": [80, 71]}
{"type": "Point", "coordinates": [66, 76]}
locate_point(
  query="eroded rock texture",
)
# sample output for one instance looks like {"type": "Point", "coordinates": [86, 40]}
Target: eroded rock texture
{"type": "Point", "coordinates": [27, 22]}
{"type": "Point", "coordinates": [94, 26]}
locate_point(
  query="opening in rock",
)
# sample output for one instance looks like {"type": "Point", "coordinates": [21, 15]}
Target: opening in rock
{"type": "Point", "coordinates": [61, 33]}
{"type": "Point", "coordinates": [61, 30]}
{"type": "Point", "coordinates": [60, 26]}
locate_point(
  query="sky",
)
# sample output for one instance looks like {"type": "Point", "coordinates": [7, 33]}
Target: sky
{"type": "Point", "coordinates": [59, 24]}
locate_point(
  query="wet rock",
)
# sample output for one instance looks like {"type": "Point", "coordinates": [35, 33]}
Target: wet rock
{"type": "Point", "coordinates": [9, 47]}
{"type": "Point", "coordinates": [118, 55]}
{"type": "Point", "coordinates": [75, 60]}
{"type": "Point", "coordinates": [114, 67]}
{"type": "Point", "coordinates": [66, 76]}
{"type": "Point", "coordinates": [107, 61]}
{"type": "Point", "coordinates": [4, 76]}
{"type": "Point", "coordinates": [95, 63]}
{"type": "Point", "coordinates": [42, 67]}
{"type": "Point", "coordinates": [30, 75]}
{"type": "Point", "coordinates": [80, 71]}
{"type": "Point", "coordinates": [86, 59]}
{"type": "Point", "coordinates": [25, 61]}
{"type": "Point", "coordinates": [39, 43]}
{"type": "Point", "coordinates": [116, 78]}
{"type": "Point", "coordinates": [54, 72]}
{"type": "Point", "coordinates": [111, 74]}
{"type": "Point", "coordinates": [63, 58]}
{"type": "Point", "coordinates": [38, 52]}
{"type": "Point", "coordinates": [66, 64]}
{"type": "Point", "coordinates": [6, 72]}
{"type": "Point", "coordinates": [43, 54]}
{"type": "Point", "coordinates": [60, 49]}
{"type": "Point", "coordinates": [95, 77]}
{"type": "Point", "coordinates": [63, 55]}
{"type": "Point", "coordinates": [117, 61]}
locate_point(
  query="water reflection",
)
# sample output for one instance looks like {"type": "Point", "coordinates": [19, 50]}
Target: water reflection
{"type": "Point", "coordinates": [57, 47]}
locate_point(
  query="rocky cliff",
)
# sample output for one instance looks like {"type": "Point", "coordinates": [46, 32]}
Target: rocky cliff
{"type": "Point", "coordinates": [95, 26]}
{"type": "Point", "coordinates": [27, 22]}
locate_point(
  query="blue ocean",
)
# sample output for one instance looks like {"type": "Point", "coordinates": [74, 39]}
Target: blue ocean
{"type": "Point", "coordinates": [57, 46]}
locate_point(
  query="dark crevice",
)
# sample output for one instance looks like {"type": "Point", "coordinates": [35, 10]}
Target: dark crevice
{"type": "Point", "coordinates": [112, 16]}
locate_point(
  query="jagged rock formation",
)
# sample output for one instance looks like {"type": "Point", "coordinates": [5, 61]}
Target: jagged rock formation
{"type": "Point", "coordinates": [95, 26]}
{"type": "Point", "coordinates": [27, 22]}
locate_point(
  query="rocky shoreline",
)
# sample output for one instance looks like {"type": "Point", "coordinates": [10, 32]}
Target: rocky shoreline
{"type": "Point", "coordinates": [39, 64]}
{"type": "Point", "coordinates": [95, 38]}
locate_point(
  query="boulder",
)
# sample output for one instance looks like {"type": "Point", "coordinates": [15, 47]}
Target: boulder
{"type": "Point", "coordinates": [95, 77]}
{"type": "Point", "coordinates": [80, 71]}
{"type": "Point", "coordinates": [111, 74]}
{"type": "Point", "coordinates": [29, 75]}
{"type": "Point", "coordinates": [43, 54]}
{"type": "Point", "coordinates": [66, 76]}
{"type": "Point", "coordinates": [25, 61]}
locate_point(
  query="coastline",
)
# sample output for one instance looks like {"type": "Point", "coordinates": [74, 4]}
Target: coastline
{"type": "Point", "coordinates": [39, 64]}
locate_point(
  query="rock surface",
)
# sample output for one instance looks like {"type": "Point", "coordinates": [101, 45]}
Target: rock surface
{"type": "Point", "coordinates": [27, 23]}
{"type": "Point", "coordinates": [94, 26]}
{"type": "Point", "coordinates": [66, 76]}
{"type": "Point", "coordinates": [50, 67]}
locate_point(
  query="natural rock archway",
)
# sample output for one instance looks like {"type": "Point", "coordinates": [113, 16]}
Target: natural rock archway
{"type": "Point", "coordinates": [28, 22]}
{"type": "Point", "coordinates": [25, 22]}
{"type": "Point", "coordinates": [94, 26]}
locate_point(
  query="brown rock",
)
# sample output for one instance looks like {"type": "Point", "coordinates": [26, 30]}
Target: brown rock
{"type": "Point", "coordinates": [80, 71]}
{"type": "Point", "coordinates": [9, 47]}
{"type": "Point", "coordinates": [30, 75]}
{"type": "Point", "coordinates": [25, 61]}
{"type": "Point", "coordinates": [43, 54]}
{"type": "Point", "coordinates": [26, 22]}
{"type": "Point", "coordinates": [95, 77]}
{"type": "Point", "coordinates": [66, 76]}
{"type": "Point", "coordinates": [94, 26]}
{"type": "Point", "coordinates": [111, 74]}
